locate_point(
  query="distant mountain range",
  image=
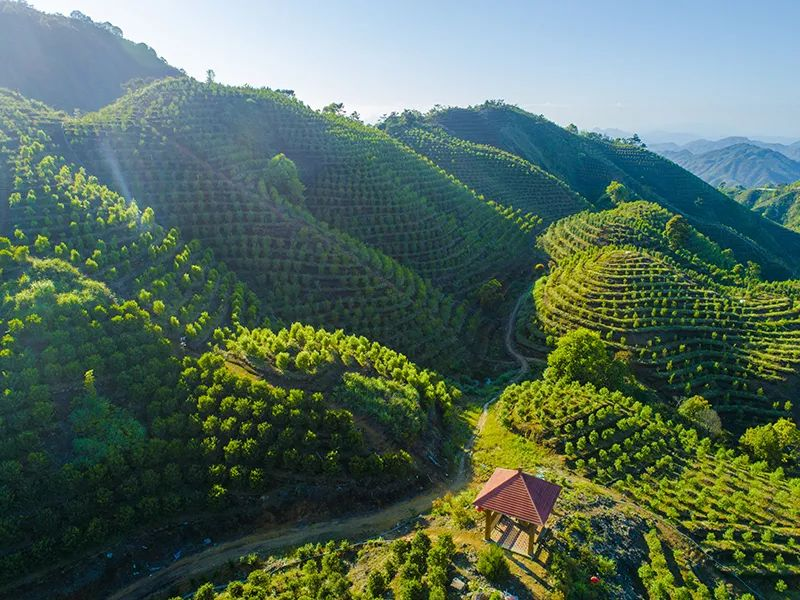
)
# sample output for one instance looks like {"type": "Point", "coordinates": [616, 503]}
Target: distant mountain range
{"type": "Point", "coordinates": [742, 164]}
{"type": "Point", "coordinates": [702, 146]}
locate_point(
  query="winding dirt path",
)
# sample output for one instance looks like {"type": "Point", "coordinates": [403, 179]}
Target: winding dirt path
{"type": "Point", "coordinates": [358, 527]}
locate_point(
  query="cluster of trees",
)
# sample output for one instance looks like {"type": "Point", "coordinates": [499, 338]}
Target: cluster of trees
{"type": "Point", "coordinates": [697, 336]}
{"type": "Point", "coordinates": [740, 510]}
{"type": "Point", "coordinates": [415, 569]}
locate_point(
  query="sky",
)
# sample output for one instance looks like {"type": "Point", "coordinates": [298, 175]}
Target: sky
{"type": "Point", "coordinates": [703, 67]}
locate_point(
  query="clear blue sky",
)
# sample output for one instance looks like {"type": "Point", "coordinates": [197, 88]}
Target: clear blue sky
{"type": "Point", "coordinates": [711, 67]}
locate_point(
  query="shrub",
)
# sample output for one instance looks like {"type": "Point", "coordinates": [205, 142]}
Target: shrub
{"type": "Point", "coordinates": [492, 563]}
{"type": "Point", "coordinates": [410, 589]}
{"type": "Point", "coordinates": [376, 584]}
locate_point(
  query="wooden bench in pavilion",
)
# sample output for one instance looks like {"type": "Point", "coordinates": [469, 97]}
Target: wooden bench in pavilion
{"type": "Point", "coordinates": [516, 506]}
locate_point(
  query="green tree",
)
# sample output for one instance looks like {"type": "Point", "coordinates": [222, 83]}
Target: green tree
{"type": "Point", "coordinates": [491, 294]}
{"type": "Point", "coordinates": [282, 175]}
{"type": "Point", "coordinates": [618, 193]}
{"type": "Point", "coordinates": [698, 410]}
{"type": "Point", "coordinates": [492, 563]}
{"type": "Point", "coordinates": [678, 232]}
{"type": "Point", "coordinates": [776, 443]}
{"type": "Point", "coordinates": [582, 356]}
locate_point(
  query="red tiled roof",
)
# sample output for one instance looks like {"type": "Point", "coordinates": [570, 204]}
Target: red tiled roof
{"type": "Point", "coordinates": [519, 495]}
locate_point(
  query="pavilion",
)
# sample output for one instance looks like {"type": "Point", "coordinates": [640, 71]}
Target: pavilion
{"type": "Point", "coordinates": [516, 506]}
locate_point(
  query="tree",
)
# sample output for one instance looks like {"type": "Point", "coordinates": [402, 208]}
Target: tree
{"type": "Point", "coordinates": [376, 584]}
{"type": "Point", "coordinates": [582, 356]}
{"type": "Point", "coordinates": [491, 294]}
{"type": "Point", "coordinates": [282, 175]}
{"type": "Point", "coordinates": [210, 76]}
{"type": "Point", "coordinates": [677, 231]}
{"type": "Point", "coordinates": [492, 563]}
{"type": "Point", "coordinates": [618, 193]}
{"type": "Point", "coordinates": [698, 410]}
{"type": "Point", "coordinates": [205, 592]}
{"type": "Point", "coordinates": [777, 443]}
{"type": "Point", "coordinates": [334, 108]}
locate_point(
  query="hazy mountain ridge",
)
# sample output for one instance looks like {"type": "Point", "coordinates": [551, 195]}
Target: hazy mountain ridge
{"type": "Point", "coordinates": [739, 164]}
{"type": "Point", "coordinates": [70, 62]}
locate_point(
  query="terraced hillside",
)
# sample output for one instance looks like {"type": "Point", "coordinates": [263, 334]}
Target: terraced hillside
{"type": "Point", "coordinates": [364, 246]}
{"type": "Point", "coordinates": [300, 267]}
{"type": "Point", "coordinates": [110, 426]}
{"type": "Point", "coordinates": [742, 515]}
{"type": "Point", "coordinates": [495, 174]}
{"type": "Point", "coordinates": [118, 413]}
{"type": "Point", "coordinates": [781, 203]}
{"type": "Point", "coordinates": [737, 346]}
{"type": "Point", "coordinates": [588, 163]}
{"type": "Point", "coordinates": [641, 224]}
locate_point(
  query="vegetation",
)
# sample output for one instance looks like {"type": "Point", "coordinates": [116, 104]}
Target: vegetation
{"type": "Point", "coordinates": [739, 511]}
{"type": "Point", "coordinates": [780, 203]}
{"type": "Point", "coordinates": [582, 356]}
{"type": "Point", "coordinates": [70, 62]}
{"type": "Point", "coordinates": [492, 563]}
{"type": "Point", "coordinates": [680, 321]}
{"type": "Point", "coordinates": [588, 163]}
{"type": "Point", "coordinates": [412, 569]}
{"type": "Point", "coordinates": [501, 176]}
{"type": "Point", "coordinates": [282, 322]}
{"type": "Point", "coordinates": [367, 246]}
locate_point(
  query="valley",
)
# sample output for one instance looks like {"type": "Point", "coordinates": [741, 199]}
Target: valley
{"type": "Point", "coordinates": [254, 349]}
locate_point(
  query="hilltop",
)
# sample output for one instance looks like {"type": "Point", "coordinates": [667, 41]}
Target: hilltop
{"type": "Point", "coordinates": [70, 62]}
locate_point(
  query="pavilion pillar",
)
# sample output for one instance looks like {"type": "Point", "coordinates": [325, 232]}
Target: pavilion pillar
{"type": "Point", "coordinates": [533, 533]}
{"type": "Point", "coordinates": [491, 518]}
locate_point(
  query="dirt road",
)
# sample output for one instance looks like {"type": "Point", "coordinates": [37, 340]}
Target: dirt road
{"type": "Point", "coordinates": [359, 527]}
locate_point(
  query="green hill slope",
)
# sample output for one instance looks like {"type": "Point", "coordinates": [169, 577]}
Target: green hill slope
{"type": "Point", "coordinates": [739, 513]}
{"type": "Point", "coordinates": [587, 163]}
{"type": "Point", "coordinates": [497, 175]}
{"type": "Point", "coordinates": [781, 203]}
{"type": "Point", "coordinates": [737, 346]}
{"type": "Point", "coordinates": [345, 241]}
{"type": "Point", "coordinates": [116, 413]}
{"type": "Point", "coordinates": [70, 62]}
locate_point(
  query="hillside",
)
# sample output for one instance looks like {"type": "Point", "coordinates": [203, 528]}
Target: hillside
{"type": "Point", "coordinates": [781, 203]}
{"type": "Point", "coordinates": [118, 413]}
{"type": "Point", "coordinates": [365, 242]}
{"type": "Point", "coordinates": [588, 163]}
{"type": "Point", "coordinates": [676, 303]}
{"type": "Point", "coordinates": [495, 174]}
{"type": "Point", "coordinates": [70, 62]}
{"type": "Point", "coordinates": [739, 164]}
{"type": "Point", "coordinates": [234, 328]}
{"type": "Point", "coordinates": [656, 459]}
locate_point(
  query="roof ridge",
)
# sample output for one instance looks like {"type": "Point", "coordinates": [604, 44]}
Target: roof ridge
{"type": "Point", "coordinates": [523, 476]}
